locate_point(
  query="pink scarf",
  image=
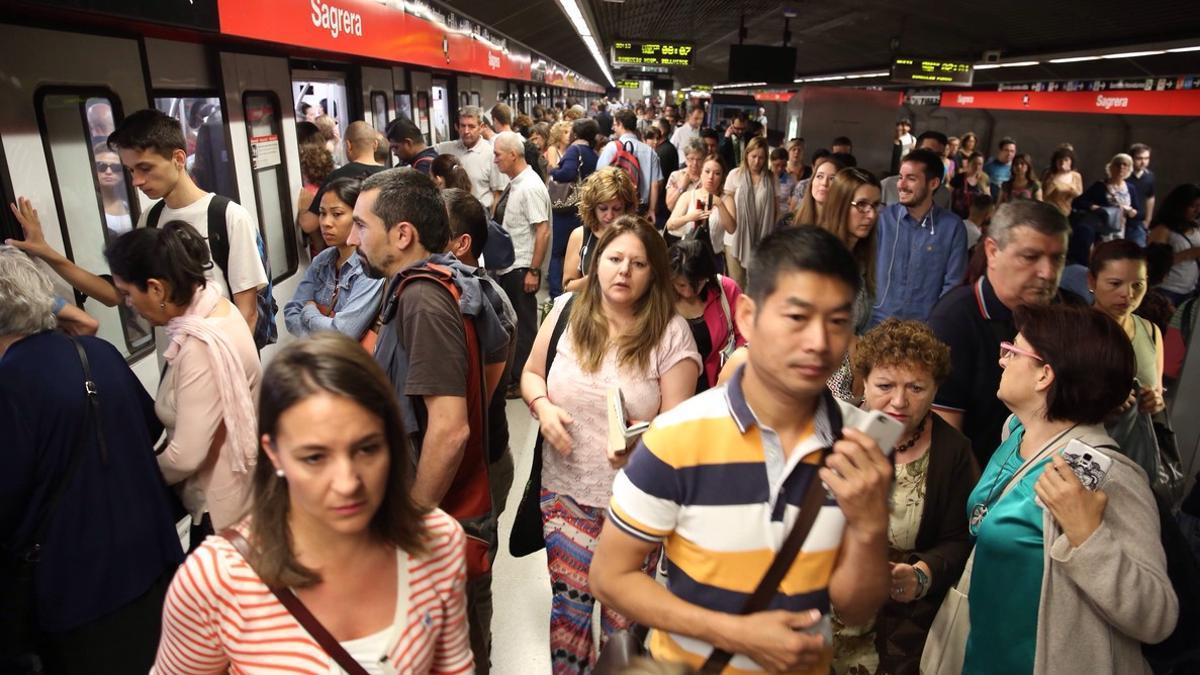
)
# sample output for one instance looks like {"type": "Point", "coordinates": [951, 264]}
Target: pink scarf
{"type": "Point", "coordinates": [237, 408]}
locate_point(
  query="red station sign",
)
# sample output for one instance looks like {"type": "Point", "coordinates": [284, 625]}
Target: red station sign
{"type": "Point", "coordinates": [1113, 102]}
{"type": "Point", "coordinates": [373, 29]}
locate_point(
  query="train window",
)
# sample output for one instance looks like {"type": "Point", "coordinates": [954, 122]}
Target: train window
{"type": "Point", "coordinates": [93, 196]}
{"type": "Point", "coordinates": [203, 123]}
{"type": "Point", "coordinates": [263, 126]}
{"type": "Point", "coordinates": [440, 111]}
{"type": "Point", "coordinates": [475, 98]}
{"type": "Point", "coordinates": [404, 105]}
{"type": "Point", "coordinates": [379, 112]}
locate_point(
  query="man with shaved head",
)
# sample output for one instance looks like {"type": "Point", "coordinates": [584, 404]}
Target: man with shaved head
{"type": "Point", "coordinates": [361, 143]}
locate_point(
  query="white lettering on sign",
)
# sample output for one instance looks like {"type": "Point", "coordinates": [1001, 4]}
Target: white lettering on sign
{"type": "Point", "coordinates": [335, 19]}
{"type": "Point", "coordinates": [1110, 102]}
{"type": "Point", "coordinates": [493, 61]}
{"type": "Point", "coordinates": [965, 100]}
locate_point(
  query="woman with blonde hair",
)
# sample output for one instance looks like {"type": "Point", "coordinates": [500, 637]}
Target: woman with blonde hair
{"type": "Point", "coordinates": [851, 212]}
{"type": "Point", "coordinates": [604, 197]}
{"type": "Point", "coordinates": [813, 201]}
{"type": "Point", "coordinates": [752, 186]}
{"type": "Point", "coordinates": [560, 138]}
{"type": "Point", "coordinates": [620, 330]}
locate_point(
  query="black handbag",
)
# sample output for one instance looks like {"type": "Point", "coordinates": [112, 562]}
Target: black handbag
{"type": "Point", "coordinates": [526, 536]}
{"type": "Point", "coordinates": [18, 607]}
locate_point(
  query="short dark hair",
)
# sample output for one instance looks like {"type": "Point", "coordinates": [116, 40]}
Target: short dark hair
{"type": "Point", "coordinates": [346, 189]}
{"type": "Point", "coordinates": [1159, 259]}
{"type": "Point", "coordinates": [694, 107]}
{"type": "Point", "coordinates": [308, 133]}
{"type": "Point", "coordinates": [501, 114]}
{"type": "Point", "coordinates": [1088, 383]}
{"type": "Point", "coordinates": [664, 125]}
{"type": "Point", "coordinates": [806, 248]}
{"type": "Point", "coordinates": [1111, 251]}
{"type": "Point", "coordinates": [406, 194]}
{"type": "Point", "coordinates": [843, 159]}
{"type": "Point", "coordinates": [930, 162]}
{"type": "Point", "coordinates": [821, 153]}
{"type": "Point", "coordinates": [1005, 141]}
{"type": "Point", "coordinates": [585, 128]}
{"type": "Point", "coordinates": [627, 119]}
{"type": "Point", "coordinates": [737, 115]}
{"type": "Point", "coordinates": [693, 259]}
{"type": "Point", "coordinates": [149, 129]}
{"type": "Point", "coordinates": [174, 253]}
{"type": "Point", "coordinates": [402, 129]}
{"type": "Point", "coordinates": [1138, 147]}
{"type": "Point", "coordinates": [842, 140]}
{"type": "Point", "coordinates": [709, 132]}
{"type": "Point", "coordinates": [466, 216]}
{"type": "Point", "coordinates": [779, 153]}
{"type": "Point", "coordinates": [933, 136]}
{"type": "Point", "coordinates": [652, 132]}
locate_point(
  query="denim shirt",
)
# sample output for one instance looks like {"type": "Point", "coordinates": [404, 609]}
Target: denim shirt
{"type": "Point", "coordinates": [916, 262]}
{"type": "Point", "coordinates": [357, 299]}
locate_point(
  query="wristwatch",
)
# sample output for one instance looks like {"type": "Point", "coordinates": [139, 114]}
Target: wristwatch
{"type": "Point", "coordinates": [537, 272]}
{"type": "Point", "coordinates": [922, 581]}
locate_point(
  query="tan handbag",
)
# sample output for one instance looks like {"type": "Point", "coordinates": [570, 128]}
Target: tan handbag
{"type": "Point", "coordinates": [946, 644]}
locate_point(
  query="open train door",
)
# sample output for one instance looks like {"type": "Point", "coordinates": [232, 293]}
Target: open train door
{"type": "Point", "coordinates": [82, 194]}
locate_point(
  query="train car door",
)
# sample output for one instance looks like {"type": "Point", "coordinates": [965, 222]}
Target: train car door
{"type": "Point", "coordinates": [439, 110]}
{"type": "Point", "coordinates": [262, 144]}
{"type": "Point", "coordinates": [377, 103]}
{"type": "Point", "coordinates": [55, 114]}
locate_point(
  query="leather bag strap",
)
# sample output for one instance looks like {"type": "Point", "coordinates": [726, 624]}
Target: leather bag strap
{"type": "Point", "coordinates": [306, 619]}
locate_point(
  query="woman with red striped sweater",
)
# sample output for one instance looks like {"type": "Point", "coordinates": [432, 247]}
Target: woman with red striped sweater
{"type": "Point", "coordinates": [332, 526]}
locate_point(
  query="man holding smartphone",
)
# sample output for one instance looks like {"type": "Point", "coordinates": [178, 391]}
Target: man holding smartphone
{"type": "Point", "coordinates": [718, 481]}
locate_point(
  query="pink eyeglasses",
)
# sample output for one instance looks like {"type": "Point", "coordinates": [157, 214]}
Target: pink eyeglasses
{"type": "Point", "coordinates": [1008, 348]}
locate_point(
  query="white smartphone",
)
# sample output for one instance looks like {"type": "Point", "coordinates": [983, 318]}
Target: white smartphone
{"type": "Point", "coordinates": [885, 429]}
{"type": "Point", "coordinates": [1089, 464]}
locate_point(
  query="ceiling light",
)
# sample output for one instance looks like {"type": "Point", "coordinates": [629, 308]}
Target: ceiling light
{"type": "Point", "coordinates": [740, 85]}
{"type": "Point", "coordinates": [575, 14]}
{"type": "Point", "coordinates": [1013, 64]}
{"type": "Point", "coordinates": [1179, 50]}
{"type": "Point", "coordinates": [1133, 55]}
{"type": "Point", "coordinates": [1075, 59]}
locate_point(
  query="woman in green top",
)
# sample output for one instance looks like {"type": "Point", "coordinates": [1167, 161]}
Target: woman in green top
{"type": "Point", "coordinates": [1110, 589]}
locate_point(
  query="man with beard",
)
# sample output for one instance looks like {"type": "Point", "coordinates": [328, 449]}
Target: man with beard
{"type": "Point", "coordinates": [1026, 248]}
{"type": "Point", "coordinates": [440, 337]}
{"type": "Point", "coordinates": [922, 251]}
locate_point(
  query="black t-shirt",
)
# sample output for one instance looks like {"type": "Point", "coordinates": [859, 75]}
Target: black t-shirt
{"type": "Point", "coordinates": [1145, 187]}
{"type": "Point", "coordinates": [973, 322]}
{"type": "Point", "coordinates": [350, 170]}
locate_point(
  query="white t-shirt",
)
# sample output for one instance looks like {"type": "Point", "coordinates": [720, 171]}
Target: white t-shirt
{"type": "Point", "coordinates": [480, 164]}
{"type": "Point", "coordinates": [528, 203]}
{"type": "Point", "coordinates": [682, 136]}
{"type": "Point", "coordinates": [245, 266]}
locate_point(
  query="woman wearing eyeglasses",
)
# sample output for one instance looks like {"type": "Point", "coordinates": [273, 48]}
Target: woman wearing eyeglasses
{"type": "Point", "coordinates": [851, 212]}
{"type": "Point", "coordinates": [1064, 579]}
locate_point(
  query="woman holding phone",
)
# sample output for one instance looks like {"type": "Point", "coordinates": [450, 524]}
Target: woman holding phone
{"type": "Point", "coordinates": [704, 208]}
{"type": "Point", "coordinates": [1054, 562]}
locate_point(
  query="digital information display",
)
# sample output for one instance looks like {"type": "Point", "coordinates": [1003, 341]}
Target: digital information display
{"type": "Point", "coordinates": [629, 84]}
{"type": "Point", "coordinates": [932, 71]}
{"type": "Point", "coordinates": [652, 53]}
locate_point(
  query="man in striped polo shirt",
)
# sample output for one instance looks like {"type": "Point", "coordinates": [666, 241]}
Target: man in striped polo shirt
{"type": "Point", "coordinates": [719, 481]}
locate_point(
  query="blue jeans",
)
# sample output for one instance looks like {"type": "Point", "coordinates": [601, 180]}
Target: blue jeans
{"type": "Point", "coordinates": [1136, 232]}
{"type": "Point", "coordinates": [562, 224]}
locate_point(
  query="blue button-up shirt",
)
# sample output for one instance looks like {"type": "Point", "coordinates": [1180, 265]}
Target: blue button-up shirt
{"type": "Point", "coordinates": [916, 262]}
{"type": "Point", "coordinates": [357, 297]}
{"type": "Point", "coordinates": [647, 161]}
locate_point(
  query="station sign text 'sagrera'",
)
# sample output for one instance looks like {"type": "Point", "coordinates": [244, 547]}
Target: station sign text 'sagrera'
{"type": "Point", "coordinates": [652, 53]}
{"type": "Point", "coordinates": [932, 72]}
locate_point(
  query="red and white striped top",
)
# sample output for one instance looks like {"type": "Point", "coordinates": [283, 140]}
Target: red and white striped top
{"type": "Point", "coordinates": [220, 617]}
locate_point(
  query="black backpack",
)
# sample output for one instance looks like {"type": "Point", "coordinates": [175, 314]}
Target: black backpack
{"type": "Point", "coordinates": [265, 330]}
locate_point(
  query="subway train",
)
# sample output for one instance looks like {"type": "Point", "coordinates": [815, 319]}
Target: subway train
{"type": "Point", "coordinates": [71, 75]}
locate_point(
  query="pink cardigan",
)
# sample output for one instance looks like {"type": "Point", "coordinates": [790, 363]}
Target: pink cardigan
{"type": "Point", "coordinates": [718, 326]}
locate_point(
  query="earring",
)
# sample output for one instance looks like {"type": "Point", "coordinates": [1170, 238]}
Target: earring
{"type": "Point", "coordinates": [279, 472]}
{"type": "Point", "coordinates": [162, 305]}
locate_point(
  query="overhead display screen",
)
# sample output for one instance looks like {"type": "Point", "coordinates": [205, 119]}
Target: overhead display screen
{"type": "Point", "coordinates": [932, 71]}
{"type": "Point", "coordinates": [652, 53]}
{"type": "Point", "coordinates": [629, 84]}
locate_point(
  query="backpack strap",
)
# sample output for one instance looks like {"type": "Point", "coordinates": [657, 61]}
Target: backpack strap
{"type": "Point", "coordinates": [218, 235]}
{"type": "Point", "coordinates": [155, 213]}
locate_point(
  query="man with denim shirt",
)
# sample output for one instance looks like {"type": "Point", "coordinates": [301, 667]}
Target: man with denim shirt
{"type": "Point", "coordinates": [922, 251]}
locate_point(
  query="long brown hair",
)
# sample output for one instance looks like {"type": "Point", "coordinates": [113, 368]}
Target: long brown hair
{"type": "Point", "coordinates": [836, 218]}
{"type": "Point", "coordinates": [652, 312]}
{"type": "Point", "coordinates": [806, 213]}
{"type": "Point", "coordinates": [332, 363]}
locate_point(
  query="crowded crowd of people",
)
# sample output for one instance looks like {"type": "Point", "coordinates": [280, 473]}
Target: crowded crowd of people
{"type": "Point", "coordinates": [761, 308]}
